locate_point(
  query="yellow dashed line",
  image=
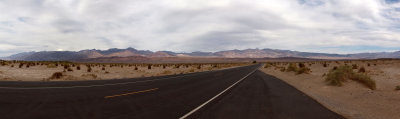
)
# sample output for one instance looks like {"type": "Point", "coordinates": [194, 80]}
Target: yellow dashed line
{"type": "Point", "coordinates": [131, 93]}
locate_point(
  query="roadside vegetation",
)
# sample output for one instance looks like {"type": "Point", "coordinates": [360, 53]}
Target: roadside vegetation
{"type": "Point", "coordinates": [64, 70]}
{"type": "Point", "coordinates": [343, 73]}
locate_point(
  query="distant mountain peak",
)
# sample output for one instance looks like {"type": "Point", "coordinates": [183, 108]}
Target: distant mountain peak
{"type": "Point", "coordinates": [132, 52]}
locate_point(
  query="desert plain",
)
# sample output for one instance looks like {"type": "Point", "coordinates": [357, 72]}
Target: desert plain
{"type": "Point", "coordinates": [352, 99]}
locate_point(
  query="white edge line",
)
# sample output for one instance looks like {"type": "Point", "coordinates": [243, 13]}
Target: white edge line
{"type": "Point", "coordinates": [208, 101]}
{"type": "Point", "coordinates": [112, 84]}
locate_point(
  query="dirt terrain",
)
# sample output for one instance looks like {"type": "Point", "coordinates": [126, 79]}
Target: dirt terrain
{"type": "Point", "coordinates": [353, 100]}
{"type": "Point", "coordinates": [70, 71]}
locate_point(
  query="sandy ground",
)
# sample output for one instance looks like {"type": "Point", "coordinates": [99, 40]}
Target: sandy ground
{"type": "Point", "coordinates": [352, 100]}
{"type": "Point", "coordinates": [43, 73]}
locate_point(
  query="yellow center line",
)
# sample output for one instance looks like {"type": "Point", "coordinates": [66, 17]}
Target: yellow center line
{"type": "Point", "coordinates": [131, 93]}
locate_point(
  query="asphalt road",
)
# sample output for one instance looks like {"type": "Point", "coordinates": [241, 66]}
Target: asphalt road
{"type": "Point", "coordinates": [237, 93]}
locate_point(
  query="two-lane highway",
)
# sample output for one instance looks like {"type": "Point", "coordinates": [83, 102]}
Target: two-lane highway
{"type": "Point", "coordinates": [197, 95]}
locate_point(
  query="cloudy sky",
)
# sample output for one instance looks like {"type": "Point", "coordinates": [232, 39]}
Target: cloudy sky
{"type": "Point", "coordinates": [332, 26]}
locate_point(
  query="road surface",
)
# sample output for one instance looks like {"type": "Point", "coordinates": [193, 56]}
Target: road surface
{"type": "Point", "coordinates": [237, 93]}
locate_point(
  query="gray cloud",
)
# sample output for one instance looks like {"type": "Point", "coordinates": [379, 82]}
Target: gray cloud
{"type": "Point", "coordinates": [199, 25]}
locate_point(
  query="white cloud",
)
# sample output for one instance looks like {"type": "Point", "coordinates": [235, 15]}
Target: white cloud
{"type": "Point", "coordinates": [198, 25]}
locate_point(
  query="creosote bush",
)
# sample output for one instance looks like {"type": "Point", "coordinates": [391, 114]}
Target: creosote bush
{"type": "Point", "coordinates": [344, 73]}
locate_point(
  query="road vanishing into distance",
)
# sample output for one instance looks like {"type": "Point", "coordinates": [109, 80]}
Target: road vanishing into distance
{"type": "Point", "coordinates": [236, 93]}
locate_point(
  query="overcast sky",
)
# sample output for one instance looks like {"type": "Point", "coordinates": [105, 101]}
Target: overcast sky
{"type": "Point", "coordinates": [331, 26]}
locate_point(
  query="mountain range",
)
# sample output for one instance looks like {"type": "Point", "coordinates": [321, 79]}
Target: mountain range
{"type": "Point", "coordinates": [93, 54]}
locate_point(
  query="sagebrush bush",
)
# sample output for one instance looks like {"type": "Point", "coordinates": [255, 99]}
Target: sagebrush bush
{"type": "Point", "coordinates": [343, 73]}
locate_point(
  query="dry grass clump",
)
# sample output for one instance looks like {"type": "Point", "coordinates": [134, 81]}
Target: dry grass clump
{"type": "Point", "coordinates": [343, 73]}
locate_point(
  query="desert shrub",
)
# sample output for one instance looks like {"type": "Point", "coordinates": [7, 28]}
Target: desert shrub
{"type": "Point", "coordinates": [354, 66]}
{"type": "Point", "coordinates": [103, 68]}
{"type": "Point", "coordinates": [20, 65]}
{"type": "Point", "coordinates": [325, 65]}
{"type": "Point", "coordinates": [254, 62]}
{"type": "Point", "coordinates": [70, 69]}
{"type": "Point", "coordinates": [334, 68]}
{"type": "Point", "coordinates": [107, 72]}
{"type": "Point", "coordinates": [89, 69]}
{"type": "Point", "coordinates": [292, 67]}
{"type": "Point", "coordinates": [301, 65]}
{"type": "Point", "coordinates": [51, 66]}
{"type": "Point", "coordinates": [369, 64]}
{"type": "Point", "coordinates": [78, 67]}
{"type": "Point", "coordinates": [56, 75]}
{"type": "Point", "coordinates": [191, 70]}
{"type": "Point", "coordinates": [364, 79]}
{"type": "Point", "coordinates": [361, 70]}
{"type": "Point", "coordinates": [336, 77]}
{"type": "Point", "coordinates": [343, 73]}
{"type": "Point", "coordinates": [27, 66]}
{"type": "Point", "coordinates": [397, 88]}
{"type": "Point", "coordinates": [66, 66]}
{"type": "Point", "coordinates": [136, 68]}
{"type": "Point", "coordinates": [163, 66]}
{"type": "Point", "coordinates": [149, 66]}
{"type": "Point", "coordinates": [12, 65]}
{"type": "Point", "coordinates": [302, 70]}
